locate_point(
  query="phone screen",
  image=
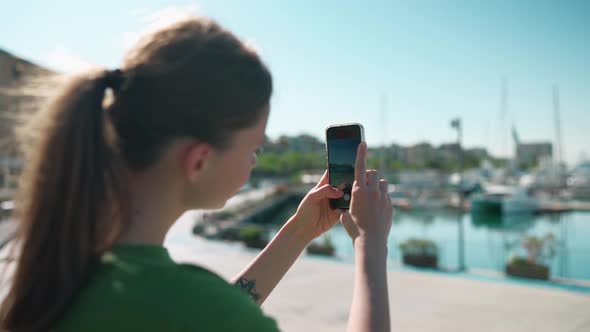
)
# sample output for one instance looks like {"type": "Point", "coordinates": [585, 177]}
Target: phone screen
{"type": "Point", "coordinates": [342, 144]}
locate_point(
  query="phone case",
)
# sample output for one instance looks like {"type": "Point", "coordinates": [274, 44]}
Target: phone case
{"type": "Point", "coordinates": [342, 203]}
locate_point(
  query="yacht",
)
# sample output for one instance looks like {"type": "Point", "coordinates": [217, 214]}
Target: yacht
{"type": "Point", "coordinates": [500, 199]}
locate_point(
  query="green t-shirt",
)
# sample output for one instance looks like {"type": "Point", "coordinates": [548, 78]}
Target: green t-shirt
{"type": "Point", "coordinates": [140, 288]}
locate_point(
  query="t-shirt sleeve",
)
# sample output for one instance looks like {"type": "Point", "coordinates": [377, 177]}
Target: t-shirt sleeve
{"type": "Point", "coordinates": [224, 306]}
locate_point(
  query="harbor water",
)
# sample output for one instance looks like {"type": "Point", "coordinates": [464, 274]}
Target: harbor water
{"type": "Point", "coordinates": [489, 241]}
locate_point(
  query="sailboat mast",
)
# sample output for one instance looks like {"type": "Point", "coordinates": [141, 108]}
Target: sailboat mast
{"type": "Point", "coordinates": [383, 134]}
{"type": "Point", "coordinates": [503, 121]}
{"type": "Point", "coordinates": [558, 138]}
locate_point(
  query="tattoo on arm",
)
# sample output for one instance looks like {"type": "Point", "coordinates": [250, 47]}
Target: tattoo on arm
{"type": "Point", "coordinates": [248, 286]}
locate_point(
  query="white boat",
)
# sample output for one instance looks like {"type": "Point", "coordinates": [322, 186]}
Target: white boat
{"type": "Point", "coordinates": [498, 199]}
{"type": "Point", "coordinates": [400, 200]}
{"type": "Point", "coordinates": [579, 182]}
{"type": "Point", "coordinates": [424, 199]}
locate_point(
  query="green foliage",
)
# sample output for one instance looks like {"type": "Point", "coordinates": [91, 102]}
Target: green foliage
{"type": "Point", "coordinates": [223, 214]}
{"type": "Point", "coordinates": [327, 240]}
{"type": "Point", "coordinates": [534, 250]}
{"type": "Point", "coordinates": [539, 249]}
{"type": "Point", "coordinates": [324, 248]}
{"type": "Point", "coordinates": [519, 261]}
{"type": "Point", "coordinates": [527, 165]}
{"type": "Point", "coordinates": [253, 236]}
{"type": "Point", "coordinates": [289, 162]}
{"type": "Point", "coordinates": [252, 233]}
{"type": "Point", "coordinates": [198, 229]}
{"type": "Point", "coordinates": [419, 247]}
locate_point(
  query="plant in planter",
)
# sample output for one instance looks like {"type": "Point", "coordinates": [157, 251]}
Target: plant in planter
{"type": "Point", "coordinates": [539, 251]}
{"type": "Point", "coordinates": [325, 248]}
{"type": "Point", "coordinates": [230, 233]}
{"type": "Point", "coordinates": [222, 215]}
{"type": "Point", "coordinates": [419, 253]}
{"type": "Point", "coordinates": [198, 229]}
{"type": "Point", "coordinates": [254, 236]}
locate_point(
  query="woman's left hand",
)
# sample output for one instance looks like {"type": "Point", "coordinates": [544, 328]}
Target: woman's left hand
{"type": "Point", "coordinates": [314, 215]}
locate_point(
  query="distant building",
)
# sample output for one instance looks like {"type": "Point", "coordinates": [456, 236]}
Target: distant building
{"type": "Point", "coordinates": [10, 168]}
{"type": "Point", "coordinates": [530, 154]}
{"type": "Point", "coordinates": [425, 154]}
{"type": "Point", "coordinates": [418, 154]}
{"type": "Point", "coordinates": [421, 179]}
{"type": "Point", "coordinates": [13, 103]}
{"type": "Point", "coordinates": [302, 143]}
{"type": "Point", "coordinates": [396, 151]}
{"type": "Point", "coordinates": [447, 152]}
{"type": "Point", "coordinates": [306, 143]}
{"type": "Point", "coordinates": [480, 153]}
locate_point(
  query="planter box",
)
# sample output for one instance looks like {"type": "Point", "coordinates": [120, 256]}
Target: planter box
{"type": "Point", "coordinates": [424, 261]}
{"type": "Point", "coordinates": [256, 243]}
{"type": "Point", "coordinates": [531, 271]}
{"type": "Point", "coordinates": [253, 236]}
{"type": "Point", "coordinates": [229, 234]}
{"type": "Point", "coordinates": [320, 250]}
{"type": "Point", "coordinates": [198, 229]}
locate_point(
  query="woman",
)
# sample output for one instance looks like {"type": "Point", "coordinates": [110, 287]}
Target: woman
{"type": "Point", "coordinates": [107, 178]}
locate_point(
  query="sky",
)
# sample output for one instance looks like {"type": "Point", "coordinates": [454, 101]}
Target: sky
{"type": "Point", "coordinates": [403, 69]}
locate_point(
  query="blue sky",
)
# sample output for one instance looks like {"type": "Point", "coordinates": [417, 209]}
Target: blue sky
{"type": "Point", "coordinates": [336, 61]}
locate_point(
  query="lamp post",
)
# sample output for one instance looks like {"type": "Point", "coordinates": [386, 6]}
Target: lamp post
{"type": "Point", "coordinates": [456, 124]}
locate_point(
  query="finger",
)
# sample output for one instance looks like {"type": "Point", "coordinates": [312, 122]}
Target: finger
{"type": "Point", "coordinates": [361, 164]}
{"type": "Point", "coordinates": [335, 213]}
{"type": "Point", "coordinates": [346, 220]}
{"type": "Point", "coordinates": [372, 179]}
{"type": "Point", "coordinates": [383, 187]}
{"type": "Point", "coordinates": [323, 180]}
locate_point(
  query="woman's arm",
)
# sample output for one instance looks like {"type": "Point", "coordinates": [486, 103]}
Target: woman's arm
{"type": "Point", "coordinates": [261, 276]}
{"type": "Point", "coordinates": [313, 217]}
{"type": "Point", "coordinates": [368, 222]}
{"type": "Point", "coordinates": [369, 310]}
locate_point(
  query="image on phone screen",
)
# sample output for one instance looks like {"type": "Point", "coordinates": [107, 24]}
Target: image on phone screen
{"type": "Point", "coordinates": [342, 147]}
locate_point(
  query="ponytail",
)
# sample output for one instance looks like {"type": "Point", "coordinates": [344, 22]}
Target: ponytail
{"type": "Point", "coordinates": [191, 79]}
{"type": "Point", "coordinates": [64, 208]}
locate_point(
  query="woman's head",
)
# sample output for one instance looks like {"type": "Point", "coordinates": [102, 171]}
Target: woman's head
{"type": "Point", "coordinates": [192, 80]}
{"type": "Point", "coordinates": [190, 99]}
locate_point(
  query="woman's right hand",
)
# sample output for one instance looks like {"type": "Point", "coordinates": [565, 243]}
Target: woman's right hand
{"type": "Point", "coordinates": [368, 223]}
{"type": "Point", "coordinates": [369, 219]}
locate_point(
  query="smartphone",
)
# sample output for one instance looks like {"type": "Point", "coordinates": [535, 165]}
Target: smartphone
{"type": "Point", "coordinates": [342, 142]}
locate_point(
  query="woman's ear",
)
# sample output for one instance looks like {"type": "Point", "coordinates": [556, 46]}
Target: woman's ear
{"type": "Point", "coordinates": [195, 160]}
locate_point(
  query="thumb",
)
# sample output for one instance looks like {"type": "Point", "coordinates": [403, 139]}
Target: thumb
{"type": "Point", "coordinates": [327, 191]}
{"type": "Point", "coordinates": [348, 223]}
{"type": "Point", "coordinates": [345, 218]}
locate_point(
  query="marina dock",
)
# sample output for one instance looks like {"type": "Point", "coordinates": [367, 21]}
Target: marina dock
{"type": "Point", "coordinates": [557, 207]}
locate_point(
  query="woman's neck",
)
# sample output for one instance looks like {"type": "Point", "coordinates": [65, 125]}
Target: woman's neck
{"type": "Point", "coordinates": [154, 207]}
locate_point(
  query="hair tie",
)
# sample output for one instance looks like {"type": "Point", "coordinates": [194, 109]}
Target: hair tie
{"type": "Point", "coordinates": [114, 79]}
